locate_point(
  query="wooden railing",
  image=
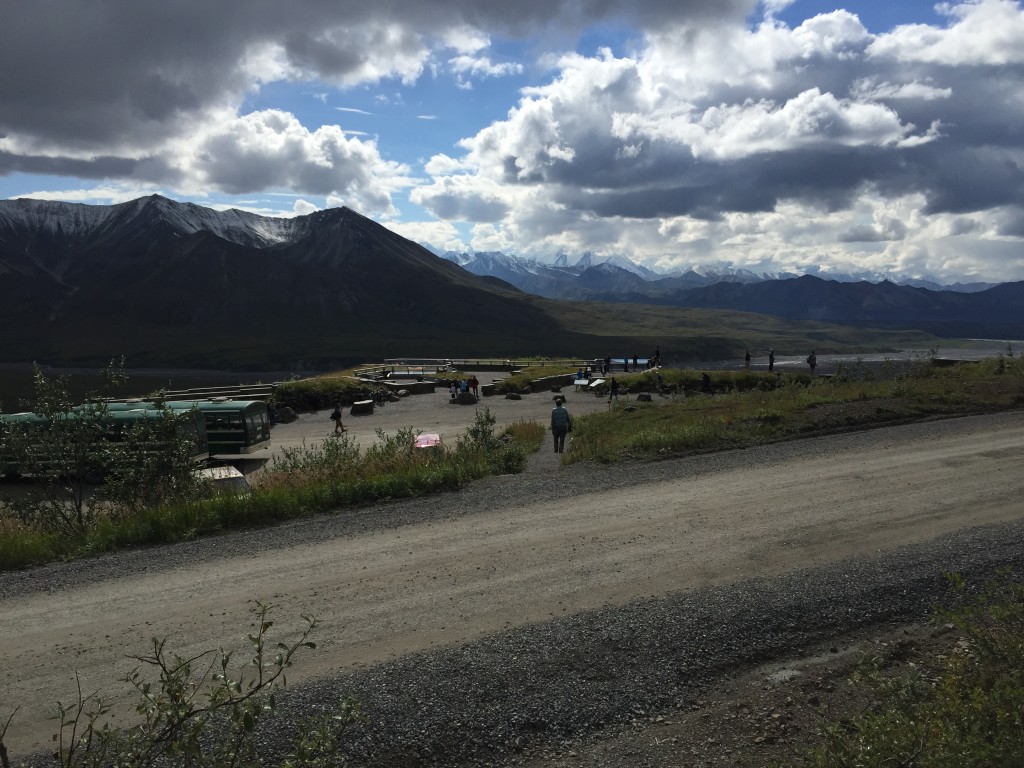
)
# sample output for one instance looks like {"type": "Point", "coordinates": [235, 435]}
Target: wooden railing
{"type": "Point", "coordinates": [234, 392]}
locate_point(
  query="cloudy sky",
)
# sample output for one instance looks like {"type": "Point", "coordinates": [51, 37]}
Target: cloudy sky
{"type": "Point", "coordinates": [794, 135]}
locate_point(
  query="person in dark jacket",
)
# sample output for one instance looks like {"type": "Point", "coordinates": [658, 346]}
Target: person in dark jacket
{"type": "Point", "coordinates": [561, 425]}
{"type": "Point", "coordinates": [336, 418]}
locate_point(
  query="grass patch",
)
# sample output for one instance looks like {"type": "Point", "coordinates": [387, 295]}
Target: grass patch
{"type": "Point", "coordinates": [521, 380]}
{"type": "Point", "coordinates": [527, 434]}
{"type": "Point", "coordinates": [320, 392]}
{"type": "Point", "coordinates": [748, 408]}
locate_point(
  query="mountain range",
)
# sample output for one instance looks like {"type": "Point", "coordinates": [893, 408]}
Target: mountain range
{"type": "Point", "coordinates": [568, 279]}
{"type": "Point", "coordinates": [176, 284]}
{"type": "Point", "coordinates": [962, 309]}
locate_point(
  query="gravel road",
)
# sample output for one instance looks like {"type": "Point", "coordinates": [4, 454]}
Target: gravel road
{"type": "Point", "coordinates": [532, 609]}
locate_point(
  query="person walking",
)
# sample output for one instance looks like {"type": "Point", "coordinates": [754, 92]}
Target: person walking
{"type": "Point", "coordinates": [812, 360]}
{"type": "Point", "coordinates": [613, 390]}
{"type": "Point", "coordinates": [561, 425]}
{"type": "Point", "coordinates": [746, 361]}
{"type": "Point", "coordinates": [771, 360]}
{"type": "Point", "coordinates": [336, 418]}
{"type": "Point", "coordinates": [474, 384]}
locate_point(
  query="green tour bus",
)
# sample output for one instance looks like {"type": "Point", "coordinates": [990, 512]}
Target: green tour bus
{"type": "Point", "coordinates": [233, 427]}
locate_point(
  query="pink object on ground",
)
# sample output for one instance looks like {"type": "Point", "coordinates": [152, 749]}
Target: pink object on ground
{"type": "Point", "coordinates": [430, 440]}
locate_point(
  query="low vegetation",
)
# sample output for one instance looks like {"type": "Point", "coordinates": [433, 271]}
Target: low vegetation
{"type": "Point", "coordinates": [743, 408]}
{"type": "Point", "coordinates": [961, 710]}
{"type": "Point", "coordinates": [202, 711]}
{"type": "Point", "coordinates": [528, 434]}
{"type": "Point", "coordinates": [312, 479]}
{"type": "Point", "coordinates": [319, 392]}
{"type": "Point", "coordinates": [520, 381]}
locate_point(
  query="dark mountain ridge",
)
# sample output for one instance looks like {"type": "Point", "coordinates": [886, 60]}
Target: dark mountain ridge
{"type": "Point", "coordinates": [997, 312]}
{"type": "Point", "coordinates": [165, 282]}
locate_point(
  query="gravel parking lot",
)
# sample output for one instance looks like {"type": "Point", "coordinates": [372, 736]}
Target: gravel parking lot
{"type": "Point", "coordinates": [431, 413]}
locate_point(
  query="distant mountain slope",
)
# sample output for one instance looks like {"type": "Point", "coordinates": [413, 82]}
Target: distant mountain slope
{"type": "Point", "coordinates": [166, 282]}
{"type": "Point", "coordinates": [964, 309]}
{"type": "Point", "coordinates": [996, 312]}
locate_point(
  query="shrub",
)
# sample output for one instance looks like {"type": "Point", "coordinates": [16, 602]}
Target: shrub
{"type": "Point", "coordinates": [65, 450]}
{"type": "Point", "coordinates": [197, 712]}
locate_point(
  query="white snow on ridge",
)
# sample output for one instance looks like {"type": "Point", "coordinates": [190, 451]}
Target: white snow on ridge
{"type": "Point", "coordinates": [73, 219]}
{"type": "Point", "coordinates": [80, 221]}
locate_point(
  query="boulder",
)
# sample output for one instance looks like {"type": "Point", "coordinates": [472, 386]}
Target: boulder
{"type": "Point", "coordinates": [513, 396]}
{"type": "Point", "coordinates": [487, 390]}
{"type": "Point", "coordinates": [361, 408]}
{"type": "Point", "coordinates": [286, 415]}
{"type": "Point", "coordinates": [465, 398]}
{"type": "Point", "coordinates": [644, 397]}
{"type": "Point", "coordinates": [546, 382]}
{"type": "Point", "coordinates": [403, 393]}
{"type": "Point", "coordinates": [412, 387]}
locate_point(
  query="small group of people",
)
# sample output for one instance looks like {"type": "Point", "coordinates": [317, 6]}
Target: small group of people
{"type": "Point", "coordinates": [812, 361]}
{"type": "Point", "coordinates": [654, 361]}
{"type": "Point", "coordinates": [472, 384]}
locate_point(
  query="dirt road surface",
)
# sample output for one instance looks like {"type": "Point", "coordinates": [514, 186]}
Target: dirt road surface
{"type": "Point", "coordinates": [388, 589]}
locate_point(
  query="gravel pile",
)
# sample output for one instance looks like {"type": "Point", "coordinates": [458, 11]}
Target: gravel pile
{"type": "Point", "coordinates": [491, 701]}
